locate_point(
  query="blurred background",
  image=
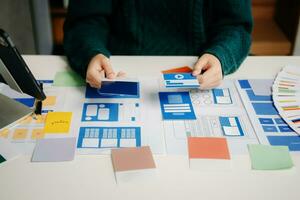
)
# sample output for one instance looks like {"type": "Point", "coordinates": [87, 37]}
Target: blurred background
{"type": "Point", "coordinates": [36, 26]}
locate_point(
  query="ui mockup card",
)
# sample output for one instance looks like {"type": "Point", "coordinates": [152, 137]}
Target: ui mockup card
{"type": "Point", "coordinates": [180, 80]}
{"type": "Point", "coordinates": [119, 88]}
{"type": "Point", "coordinates": [176, 106]}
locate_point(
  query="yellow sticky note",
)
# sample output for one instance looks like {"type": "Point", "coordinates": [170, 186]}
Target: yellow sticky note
{"type": "Point", "coordinates": [4, 133]}
{"type": "Point", "coordinates": [37, 134]}
{"type": "Point", "coordinates": [58, 122]}
{"type": "Point", "coordinates": [20, 134]}
{"type": "Point", "coordinates": [49, 101]}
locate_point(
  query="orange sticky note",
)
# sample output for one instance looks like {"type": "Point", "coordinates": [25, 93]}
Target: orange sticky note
{"type": "Point", "coordinates": [49, 101]}
{"type": "Point", "coordinates": [4, 133]}
{"type": "Point", "coordinates": [184, 69]}
{"type": "Point", "coordinates": [58, 122]}
{"type": "Point", "coordinates": [20, 134]}
{"type": "Point", "coordinates": [37, 134]}
{"type": "Point", "coordinates": [208, 148]}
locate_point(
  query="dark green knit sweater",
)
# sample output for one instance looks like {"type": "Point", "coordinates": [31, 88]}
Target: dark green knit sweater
{"type": "Point", "coordinates": [158, 27]}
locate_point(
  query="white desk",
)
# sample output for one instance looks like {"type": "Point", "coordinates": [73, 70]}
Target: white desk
{"type": "Point", "coordinates": [91, 177]}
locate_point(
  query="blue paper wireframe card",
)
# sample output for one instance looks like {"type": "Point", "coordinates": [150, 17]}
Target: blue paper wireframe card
{"type": "Point", "coordinates": [176, 106]}
{"type": "Point", "coordinates": [180, 80]}
{"type": "Point", "coordinates": [116, 90]}
{"type": "Point", "coordinates": [122, 88]}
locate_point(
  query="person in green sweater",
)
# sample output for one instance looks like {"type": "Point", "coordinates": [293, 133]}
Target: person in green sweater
{"type": "Point", "coordinates": [219, 32]}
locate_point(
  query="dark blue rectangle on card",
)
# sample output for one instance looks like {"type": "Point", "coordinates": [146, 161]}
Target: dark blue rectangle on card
{"type": "Point", "coordinates": [293, 142]}
{"type": "Point", "coordinates": [264, 109]}
{"type": "Point", "coordinates": [285, 129]}
{"type": "Point", "coordinates": [266, 121]}
{"type": "Point", "coordinates": [91, 93]}
{"type": "Point", "coordinates": [254, 97]}
{"type": "Point", "coordinates": [26, 101]}
{"type": "Point", "coordinates": [176, 106]}
{"type": "Point", "coordinates": [218, 92]}
{"type": "Point", "coordinates": [270, 129]}
{"type": "Point", "coordinates": [244, 84]}
{"type": "Point", "coordinates": [279, 121]}
{"type": "Point", "coordinates": [122, 88]}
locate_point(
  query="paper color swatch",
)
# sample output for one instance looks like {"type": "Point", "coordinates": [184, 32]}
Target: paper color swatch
{"type": "Point", "coordinates": [54, 150]}
{"type": "Point", "coordinates": [132, 158]}
{"type": "Point", "coordinates": [68, 79]}
{"type": "Point", "coordinates": [265, 157]}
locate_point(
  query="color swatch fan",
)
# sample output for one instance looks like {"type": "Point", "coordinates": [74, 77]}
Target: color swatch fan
{"type": "Point", "coordinates": [286, 96]}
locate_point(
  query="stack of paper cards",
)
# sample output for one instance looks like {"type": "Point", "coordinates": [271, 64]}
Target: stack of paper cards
{"type": "Point", "coordinates": [133, 163]}
{"type": "Point", "coordinates": [286, 96]}
{"type": "Point", "coordinates": [180, 80]}
{"type": "Point", "coordinates": [265, 157]}
{"type": "Point", "coordinates": [54, 150]}
{"type": "Point", "coordinates": [208, 153]}
{"type": "Point", "coordinates": [7, 151]}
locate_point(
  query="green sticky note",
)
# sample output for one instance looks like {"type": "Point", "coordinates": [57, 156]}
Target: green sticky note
{"type": "Point", "coordinates": [265, 157]}
{"type": "Point", "coordinates": [68, 79]}
{"type": "Point", "coordinates": [2, 159]}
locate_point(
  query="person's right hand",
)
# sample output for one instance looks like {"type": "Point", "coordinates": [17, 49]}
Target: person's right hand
{"type": "Point", "coordinates": [98, 68]}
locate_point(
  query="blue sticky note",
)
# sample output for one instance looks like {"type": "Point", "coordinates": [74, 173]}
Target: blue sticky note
{"type": "Point", "coordinates": [176, 106]}
{"type": "Point", "coordinates": [181, 80]}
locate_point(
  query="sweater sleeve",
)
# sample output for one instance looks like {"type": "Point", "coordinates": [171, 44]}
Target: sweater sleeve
{"type": "Point", "coordinates": [86, 32]}
{"type": "Point", "coordinates": [229, 32]}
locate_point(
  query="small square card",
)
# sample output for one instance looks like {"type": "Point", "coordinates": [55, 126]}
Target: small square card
{"type": "Point", "coordinates": [132, 163]}
{"type": "Point", "coordinates": [54, 150]}
{"type": "Point", "coordinates": [180, 80]}
{"type": "Point", "coordinates": [265, 157]}
{"type": "Point", "coordinates": [208, 153]}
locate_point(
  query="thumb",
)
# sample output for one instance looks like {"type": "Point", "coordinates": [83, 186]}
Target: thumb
{"type": "Point", "coordinates": [109, 72]}
{"type": "Point", "coordinates": [201, 63]}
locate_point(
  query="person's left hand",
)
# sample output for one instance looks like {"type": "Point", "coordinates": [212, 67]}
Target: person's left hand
{"type": "Point", "coordinates": [208, 71]}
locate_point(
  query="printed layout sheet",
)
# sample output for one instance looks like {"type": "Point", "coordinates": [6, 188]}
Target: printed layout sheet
{"type": "Point", "coordinates": [217, 112]}
{"type": "Point", "coordinates": [163, 118]}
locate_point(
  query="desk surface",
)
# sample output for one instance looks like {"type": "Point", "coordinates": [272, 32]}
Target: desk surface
{"type": "Point", "coordinates": [91, 177]}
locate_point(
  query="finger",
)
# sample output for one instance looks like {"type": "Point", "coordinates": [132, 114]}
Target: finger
{"type": "Point", "coordinates": [109, 72]}
{"type": "Point", "coordinates": [210, 75]}
{"type": "Point", "coordinates": [121, 74]}
{"type": "Point", "coordinates": [94, 78]}
{"type": "Point", "coordinates": [201, 63]}
{"type": "Point", "coordinates": [210, 85]}
{"type": "Point", "coordinates": [211, 80]}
